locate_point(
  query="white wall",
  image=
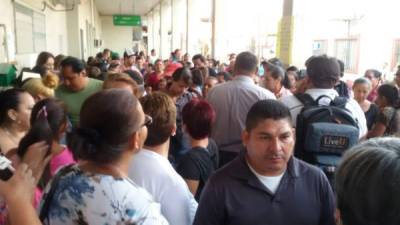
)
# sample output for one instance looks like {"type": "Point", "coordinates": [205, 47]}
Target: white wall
{"type": "Point", "coordinates": [89, 18]}
{"type": "Point", "coordinates": [375, 28]}
{"type": "Point", "coordinates": [6, 18]}
{"type": "Point", "coordinates": [62, 30]}
{"type": "Point", "coordinates": [56, 32]}
{"type": "Point", "coordinates": [116, 38]}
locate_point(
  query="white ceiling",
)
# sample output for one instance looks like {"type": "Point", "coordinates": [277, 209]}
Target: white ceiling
{"type": "Point", "coordinates": [136, 7]}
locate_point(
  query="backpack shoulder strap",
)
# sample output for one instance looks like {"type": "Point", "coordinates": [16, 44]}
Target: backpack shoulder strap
{"type": "Point", "coordinates": [306, 99]}
{"type": "Point", "coordinates": [339, 102]}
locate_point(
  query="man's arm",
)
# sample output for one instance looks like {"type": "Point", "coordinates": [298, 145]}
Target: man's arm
{"type": "Point", "coordinates": [211, 210]}
{"type": "Point", "coordinates": [327, 202]}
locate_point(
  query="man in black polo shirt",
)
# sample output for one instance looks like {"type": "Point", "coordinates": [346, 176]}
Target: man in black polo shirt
{"type": "Point", "coordinates": [266, 184]}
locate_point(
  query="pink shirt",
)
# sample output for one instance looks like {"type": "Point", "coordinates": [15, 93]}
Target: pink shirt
{"type": "Point", "coordinates": [283, 93]}
{"type": "Point", "coordinates": [58, 161]}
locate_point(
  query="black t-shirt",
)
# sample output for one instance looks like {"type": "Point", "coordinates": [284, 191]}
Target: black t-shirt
{"type": "Point", "coordinates": [371, 115]}
{"type": "Point", "coordinates": [198, 164]}
{"type": "Point", "coordinates": [211, 72]}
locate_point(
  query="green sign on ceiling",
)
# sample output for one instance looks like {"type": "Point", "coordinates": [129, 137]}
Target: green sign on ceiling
{"type": "Point", "coordinates": [127, 20]}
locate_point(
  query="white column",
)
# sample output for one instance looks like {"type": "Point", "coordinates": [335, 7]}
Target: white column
{"type": "Point", "coordinates": [160, 53]}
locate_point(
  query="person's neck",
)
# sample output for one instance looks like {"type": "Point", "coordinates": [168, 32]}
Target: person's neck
{"type": "Point", "coordinates": [12, 129]}
{"type": "Point", "coordinates": [243, 74]}
{"type": "Point", "coordinates": [56, 148]}
{"type": "Point", "coordinates": [203, 143]}
{"type": "Point", "coordinates": [278, 90]}
{"type": "Point", "coordinates": [162, 149]}
{"type": "Point", "coordinates": [362, 101]}
{"type": "Point", "coordinates": [172, 95]}
{"type": "Point", "coordinates": [117, 169]}
{"type": "Point", "coordinates": [85, 82]}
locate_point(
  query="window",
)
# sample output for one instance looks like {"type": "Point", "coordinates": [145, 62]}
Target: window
{"type": "Point", "coordinates": [30, 30]}
{"type": "Point", "coordinates": [320, 47]}
{"type": "Point", "coordinates": [347, 51]}
{"type": "Point", "coordinates": [396, 54]}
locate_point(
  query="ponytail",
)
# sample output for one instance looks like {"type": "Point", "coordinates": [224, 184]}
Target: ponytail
{"type": "Point", "coordinates": [47, 118]}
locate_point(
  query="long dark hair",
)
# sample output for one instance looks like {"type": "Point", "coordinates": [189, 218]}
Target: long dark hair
{"type": "Point", "coordinates": [43, 57]}
{"type": "Point", "coordinates": [391, 94]}
{"type": "Point", "coordinates": [47, 117]}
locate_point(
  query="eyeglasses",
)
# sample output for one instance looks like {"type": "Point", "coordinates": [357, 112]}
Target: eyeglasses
{"type": "Point", "coordinates": [147, 121]}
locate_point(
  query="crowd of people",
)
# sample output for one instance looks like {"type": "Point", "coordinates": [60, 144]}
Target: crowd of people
{"type": "Point", "coordinates": [142, 140]}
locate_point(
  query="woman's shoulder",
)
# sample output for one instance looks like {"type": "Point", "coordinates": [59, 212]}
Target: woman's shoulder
{"type": "Point", "coordinates": [105, 195]}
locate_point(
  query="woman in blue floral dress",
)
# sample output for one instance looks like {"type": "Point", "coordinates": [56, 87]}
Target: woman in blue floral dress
{"type": "Point", "coordinates": [97, 190]}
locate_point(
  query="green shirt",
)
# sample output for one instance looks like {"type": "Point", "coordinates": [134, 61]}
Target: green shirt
{"type": "Point", "coordinates": [74, 100]}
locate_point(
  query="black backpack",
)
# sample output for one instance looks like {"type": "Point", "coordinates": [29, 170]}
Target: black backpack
{"type": "Point", "coordinates": [324, 132]}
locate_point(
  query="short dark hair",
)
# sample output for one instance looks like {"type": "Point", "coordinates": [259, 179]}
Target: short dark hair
{"type": "Point", "coordinates": [362, 80]}
{"type": "Point", "coordinates": [367, 183]}
{"type": "Point", "coordinates": [199, 56]}
{"type": "Point", "coordinates": [277, 73]}
{"type": "Point", "coordinates": [246, 62]}
{"type": "Point", "coordinates": [76, 64]}
{"type": "Point", "coordinates": [135, 76]}
{"type": "Point", "coordinates": [197, 77]}
{"type": "Point", "coordinates": [183, 74]}
{"type": "Point", "coordinates": [48, 115]}
{"type": "Point", "coordinates": [108, 119]}
{"type": "Point", "coordinates": [43, 57]}
{"type": "Point", "coordinates": [292, 68]}
{"type": "Point", "coordinates": [266, 109]}
{"type": "Point", "coordinates": [162, 109]}
{"type": "Point", "coordinates": [323, 71]}
{"type": "Point", "coordinates": [275, 62]}
{"type": "Point", "coordinates": [198, 116]}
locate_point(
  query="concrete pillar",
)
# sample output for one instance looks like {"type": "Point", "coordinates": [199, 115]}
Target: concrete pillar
{"type": "Point", "coordinates": [285, 33]}
{"type": "Point", "coordinates": [172, 26]}
{"type": "Point", "coordinates": [213, 30]}
{"type": "Point", "coordinates": [160, 32]}
{"type": "Point", "coordinates": [187, 25]}
{"type": "Point", "coordinates": [152, 30]}
{"type": "Point", "coordinates": [73, 33]}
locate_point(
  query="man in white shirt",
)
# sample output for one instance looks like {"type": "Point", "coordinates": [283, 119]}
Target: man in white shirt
{"type": "Point", "coordinates": [151, 169]}
{"type": "Point", "coordinates": [152, 56]}
{"type": "Point", "coordinates": [322, 74]}
{"type": "Point", "coordinates": [231, 102]}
